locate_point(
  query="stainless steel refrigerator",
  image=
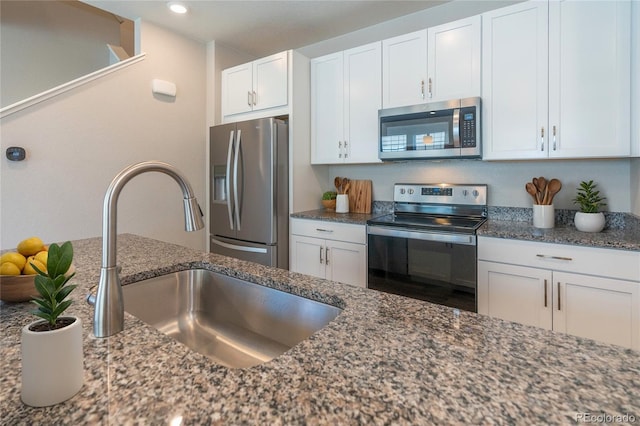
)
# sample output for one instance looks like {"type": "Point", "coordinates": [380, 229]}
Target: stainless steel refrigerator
{"type": "Point", "coordinates": [249, 209]}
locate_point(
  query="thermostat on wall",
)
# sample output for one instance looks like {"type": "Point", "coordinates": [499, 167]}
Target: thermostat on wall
{"type": "Point", "coordinates": [16, 153]}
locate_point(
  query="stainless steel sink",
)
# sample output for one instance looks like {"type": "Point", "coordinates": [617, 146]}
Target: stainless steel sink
{"type": "Point", "coordinates": [234, 322]}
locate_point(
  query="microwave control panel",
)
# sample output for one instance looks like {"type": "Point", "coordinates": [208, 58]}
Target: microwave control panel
{"type": "Point", "coordinates": [468, 127]}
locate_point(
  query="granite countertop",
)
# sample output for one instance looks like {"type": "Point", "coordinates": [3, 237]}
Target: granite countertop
{"type": "Point", "coordinates": [331, 216]}
{"type": "Point", "coordinates": [622, 231]}
{"type": "Point", "coordinates": [384, 360]}
{"type": "Point", "coordinates": [613, 238]}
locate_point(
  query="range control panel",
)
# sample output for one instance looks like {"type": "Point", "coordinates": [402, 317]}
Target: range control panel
{"type": "Point", "coordinates": [441, 193]}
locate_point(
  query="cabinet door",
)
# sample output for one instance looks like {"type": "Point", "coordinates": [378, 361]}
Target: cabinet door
{"type": "Point", "coordinates": [327, 115]}
{"type": "Point", "coordinates": [602, 309]}
{"type": "Point", "coordinates": [270, 81]}
{"type": "Point", "coordinates": [454, 51]}
{"type": "Point", "coordinates": [589, 78]}
{"type": "Point", "coordinates": [347, 263]}
{"type": "Point", "coordinates": [236, 89]}
{"type": "Point", "coordinates": [307, 255]}
{"type": "Point", "coordinates": [362, 100]}
{"type": "Point", "coordinates": [515, 293]}
{"type": "Point", "coordinates": [514, 82]}
{"type": "Point", "coordinates": [404, 69]}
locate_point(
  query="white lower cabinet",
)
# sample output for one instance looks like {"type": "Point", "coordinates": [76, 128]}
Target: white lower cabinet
{"type": "Point", "coordinates": [334, 251]}
{"type": "Point", "coordinates": [586, 292]}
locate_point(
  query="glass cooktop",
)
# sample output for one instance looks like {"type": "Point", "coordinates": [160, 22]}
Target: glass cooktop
{"type": "Point", "coordinates": [429, 222]}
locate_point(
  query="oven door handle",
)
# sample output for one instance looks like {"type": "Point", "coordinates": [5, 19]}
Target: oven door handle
{"type": "Point", "coordinates": [384, 231]}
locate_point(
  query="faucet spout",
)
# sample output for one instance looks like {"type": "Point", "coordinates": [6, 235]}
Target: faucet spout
{"type": "Point", "coordinates": [108, 316]}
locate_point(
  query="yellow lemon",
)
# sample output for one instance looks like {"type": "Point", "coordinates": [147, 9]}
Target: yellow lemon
{"type": "Point", "coordinates": [9, 268]}
{"type": "Point", "coordinates": [28, 268]}
{"type": "Point", "coordinates": [15, 258]}
{"type": "Point", "coordinates": [30, 246]}
{"type": "Point", "coordinates": [42, 256]}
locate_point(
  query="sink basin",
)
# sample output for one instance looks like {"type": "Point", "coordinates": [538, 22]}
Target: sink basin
{"type": "Point", "coordinates": [234, 322]}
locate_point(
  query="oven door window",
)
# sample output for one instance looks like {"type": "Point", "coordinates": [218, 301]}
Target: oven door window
{"type": "Point", "coordinates": [417, 134]}
{"type": "Point", "coordinates": [442, 273]}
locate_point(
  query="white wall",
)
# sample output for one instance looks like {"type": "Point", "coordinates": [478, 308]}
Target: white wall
{"type": "Point", "coordinates": [47, 43]}
{"type": "Point", "coordinates": [78, 141]}
{"type": "Point", "coordinates": [506, 179]}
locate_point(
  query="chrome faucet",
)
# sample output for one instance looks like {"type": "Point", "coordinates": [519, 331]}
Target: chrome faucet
{"type": "Point", "coordinates": [108, 316]}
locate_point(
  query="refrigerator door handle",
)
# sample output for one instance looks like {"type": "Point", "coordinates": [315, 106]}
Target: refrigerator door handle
{"type": "Point", "coordinates": [239, 248]}
{"type": "Point", "coordinates": [235, 179]}
{"type": "Point", "coordinates": [228, 179]}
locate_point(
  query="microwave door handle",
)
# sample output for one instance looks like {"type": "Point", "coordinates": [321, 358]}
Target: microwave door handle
{"type": "Point", "coordinates": [456, 128]}
{"type": "Point", "coordinates": [228, 179]}
{"type": "Point", "coordinates": [235, 180]}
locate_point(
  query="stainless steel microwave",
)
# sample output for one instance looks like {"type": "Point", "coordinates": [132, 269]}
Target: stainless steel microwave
{"type": "Point", "coordinates": [449, 129]}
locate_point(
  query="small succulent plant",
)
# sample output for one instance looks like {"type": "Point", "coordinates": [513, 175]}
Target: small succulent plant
{"type": "Point", "coordinates": [589, 198]}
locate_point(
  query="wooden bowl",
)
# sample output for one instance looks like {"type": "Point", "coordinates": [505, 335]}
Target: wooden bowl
{"type": "Point", "coordinates": [329, 204]}
{"type": "Point", "coordinates": [17, 288]}
{"type": "Point", "coordinates": [20, 288]}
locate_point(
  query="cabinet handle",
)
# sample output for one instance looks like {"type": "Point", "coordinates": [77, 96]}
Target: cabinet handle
{"type": "Point", "coordinates": [324, 230]}
{"type": "Point", "coordinates": [254, 97]}
{"type": "Point", "coordinates": [544, 256]}
{"type": "Point", "coordinates": [554, 138]}
{"type": "Point", "coordinates": [326, 255]}
{"type": "Point", "coordinates": [430, 87]}
{"type": "Point", "coordinates": [558, 295]}
{"type": "Point", "coordinates": [545, 293]}
{"type": "Point", "coordinates": [321, 259]}
{"type": "Point", "coordinates": [422, 88]}
{"type": "Point", "coordinates": [346, 151]}
{"type": "Point", "coordinates": [339, 149]}
{"type": "Point", "coordinates": [249, 98]}
{"type": "Point", "coordinates": [542, 139]}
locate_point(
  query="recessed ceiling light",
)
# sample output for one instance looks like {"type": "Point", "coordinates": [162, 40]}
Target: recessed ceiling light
{"type": "Point", "coordinates": [178, 8]}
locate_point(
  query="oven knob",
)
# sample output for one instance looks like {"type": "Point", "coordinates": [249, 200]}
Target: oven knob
{"type": "Point", "coordinates": [465, 192]}
{"type": "Point", "coordinates": [475, 193]}
{"type": "Point", "coordinates": [410, 191]}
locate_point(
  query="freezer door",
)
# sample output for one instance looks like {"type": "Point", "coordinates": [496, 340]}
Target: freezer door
{"type": "Point", "coordinates": [257, 153]}
{"type": "Point", "coordinates": [222, 143]}
{"type": "Point", "coordinates": [258, 253]}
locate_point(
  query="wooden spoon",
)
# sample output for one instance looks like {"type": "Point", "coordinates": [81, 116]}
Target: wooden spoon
{"type": "Point", "coordinates": [343, 184]}
{"type": "Point", "coordinates": [337, 182]}
{"type": "Point", "coordinates": [552, 189]}
{"type": "Point", "coordinates": [533, 191]}
{"type": "Point", "coordinates": [541, 185]}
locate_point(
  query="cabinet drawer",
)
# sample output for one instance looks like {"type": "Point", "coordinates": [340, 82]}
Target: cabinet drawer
{"type": "Point", "coordinates": [329, 230]}
{"type": "Point", "coordinates": [621, 264]}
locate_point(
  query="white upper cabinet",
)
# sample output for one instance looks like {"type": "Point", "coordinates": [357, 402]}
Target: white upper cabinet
{"type": "Point", "coordinates": [404, 69]}
{"type": "Point", "coordinates": [345, 98]}
{"type": "Point", "coordinates": [514, 81]}
{"type": "Point", "coordinates": [454, 59]}
{"type": "Point", "coordinates": [556, 80]}
{"type": "Point", "coordinates": [258, 85]}
{"type": "Point", "coordinates": [589, 78]}
{"type": "Point", "coordinates": [440, 63]}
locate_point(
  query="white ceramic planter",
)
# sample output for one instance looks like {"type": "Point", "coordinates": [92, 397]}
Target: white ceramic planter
{"type": "Point", "coordinates": [589, 222]}
{"type": "Point", "coordinates": [52, 364]}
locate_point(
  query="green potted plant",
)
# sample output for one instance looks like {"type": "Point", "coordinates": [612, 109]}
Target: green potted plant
{"type": "Point", "coordinates": [589, 218]}
{"type": "Point", "coordinates": [329, 200]}
{"type": "Point", "coordinates": [52, 354]}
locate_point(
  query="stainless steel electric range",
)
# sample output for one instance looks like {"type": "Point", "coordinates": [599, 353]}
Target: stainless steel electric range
{"type": "Point", "coordinates": [426, 249]}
